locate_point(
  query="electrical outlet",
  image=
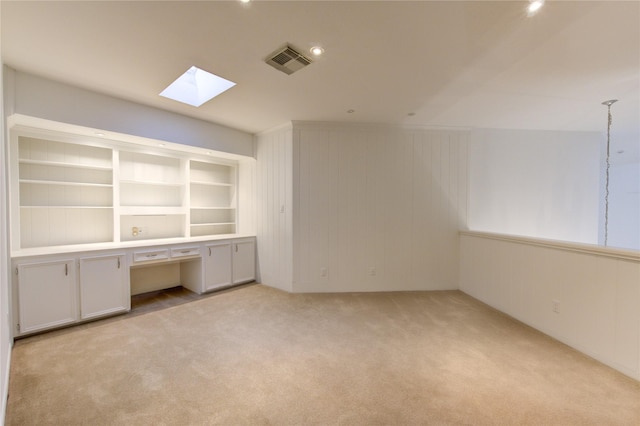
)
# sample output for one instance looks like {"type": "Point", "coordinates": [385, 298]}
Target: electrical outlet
{"type": "Point", "coordinates": [372, 271]}
{"type": "Point", "coordinates": [323, 272]}
{"type": "Point", "coordinates": [556, 306]}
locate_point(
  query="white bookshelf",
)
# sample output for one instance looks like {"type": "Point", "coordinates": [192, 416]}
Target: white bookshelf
{"type": "Point", "coordinates": [65, 193]}
{"type": "Point", "coordinates": [67, 190]}
{"type": "Point", "coordinates": [152, 196]}
{"type": "Point", "coordinates": [212, 199]}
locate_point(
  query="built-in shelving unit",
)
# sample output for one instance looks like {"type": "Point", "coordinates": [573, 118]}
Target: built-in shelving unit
{"type": "Point", "coordinates": [65, 190]}
{"type": "Point", "coordinates": [152, 196]}
{"type": "Point", "coordinates": [95, 217]}
{"type": "Point", "coordinates": [69, 190]}
{"type": "Point", "coordinates": [213, 199]}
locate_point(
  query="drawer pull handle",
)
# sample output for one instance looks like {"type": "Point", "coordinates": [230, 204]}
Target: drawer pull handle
{"type": "Point", "coordinates": [185, 251]}
{"type": "Point", "coordinates": [152, 255]}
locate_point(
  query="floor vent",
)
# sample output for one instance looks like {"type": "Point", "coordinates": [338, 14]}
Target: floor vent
{"type": "Point", "coordinates": [288, 60]}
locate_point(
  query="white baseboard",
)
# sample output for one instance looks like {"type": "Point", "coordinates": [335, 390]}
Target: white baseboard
{"type": "Point", "coordinates": [5, 387]}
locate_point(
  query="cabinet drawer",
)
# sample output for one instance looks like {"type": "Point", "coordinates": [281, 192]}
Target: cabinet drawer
{"type": "Point", "coordinates": [149, 255]}
{"type": "Point", "coordinates": [185, 251]}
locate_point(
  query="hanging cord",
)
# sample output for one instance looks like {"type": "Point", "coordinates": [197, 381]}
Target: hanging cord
{"type": "Point", "coordinates": [606, 185]}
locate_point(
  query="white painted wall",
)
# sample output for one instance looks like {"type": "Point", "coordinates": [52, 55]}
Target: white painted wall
{"type": "Point", "coordinates": [624, 206]}
{"type": "Point", "coordinates": [535, 183]}
{"type": "Point", "coordinates": [377, 208]}
{"type": "Point", "coordinates": [6, 339]}
{"type": "Point", "coordinates": [38, 97]}
{"type": "Point", "coordinates": [274, 208]}
{"type": "Point", "coordinates": [597, 290]}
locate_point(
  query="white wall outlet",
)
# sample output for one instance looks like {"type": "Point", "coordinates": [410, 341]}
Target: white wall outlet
{"type": "Point", "coordinates": [555, 306]}
{"type": "Point", "coordinates": [323, 272]}
{"type": "Point", "coordinates": [372, 271]}
{"type": "Point", "coordinates": [282, 208]}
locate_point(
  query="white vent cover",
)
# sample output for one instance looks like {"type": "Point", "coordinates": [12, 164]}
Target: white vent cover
{"type": "Point", "coordinates": [288, 60]}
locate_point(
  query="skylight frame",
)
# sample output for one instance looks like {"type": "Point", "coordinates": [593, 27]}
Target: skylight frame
{"type": "Point", "coordinates": [196, 87]}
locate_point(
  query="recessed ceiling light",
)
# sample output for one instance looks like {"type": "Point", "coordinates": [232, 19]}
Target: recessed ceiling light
{"type": "Point", "coordinates": [534, 6]}
{"type": "Point", "coordinates": [316, 50]}
{"type": "Point", "coordinates": [196, 87]}
{"type": "Point", "coordinates": [351, 111]}
{"type": "Point", "coordinates": [411, 114]}
{"type": "Point", "coordinates": [245, 1]}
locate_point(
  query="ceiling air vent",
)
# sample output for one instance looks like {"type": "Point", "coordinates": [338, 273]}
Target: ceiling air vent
{"type": "Point", "coordinates": [288, 60]}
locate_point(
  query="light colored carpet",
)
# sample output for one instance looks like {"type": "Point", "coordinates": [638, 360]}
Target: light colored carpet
{"type": "Point", "coordinates": [258, 356]}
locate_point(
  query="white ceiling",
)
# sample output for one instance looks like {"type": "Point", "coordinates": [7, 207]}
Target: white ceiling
{"type": "Point", "coordinates": [452, 63]}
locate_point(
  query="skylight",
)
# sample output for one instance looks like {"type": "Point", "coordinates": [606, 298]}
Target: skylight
{"type": "Point", "coordinates": [196, 87]}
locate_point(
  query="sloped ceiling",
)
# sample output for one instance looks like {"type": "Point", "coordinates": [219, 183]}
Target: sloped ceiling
{"type": "Point", "coordinates": [452, 63]}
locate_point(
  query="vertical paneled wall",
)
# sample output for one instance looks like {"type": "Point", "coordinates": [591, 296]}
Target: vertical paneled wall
{"type": "Point", "coordinates": [274, 208]}
{"type": "Point", "coordinates": [377, 208]}
{"type": "Point", "coordinates": [584, 296]}
{"type": "Point", "coordinates": [247, 196]}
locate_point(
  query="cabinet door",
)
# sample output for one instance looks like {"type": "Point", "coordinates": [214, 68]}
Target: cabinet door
{"type": "Point", "coordinates": [104, 285]}
{"type": "Point", "coordinates": [47, 295]}
{"type": "Point", "coordinates": [244, 261]}
{"type": "Point", "coordinates": [217, 270]}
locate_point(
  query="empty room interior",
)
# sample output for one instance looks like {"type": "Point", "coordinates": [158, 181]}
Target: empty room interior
{"type": "Point", "coordinates": [320, 212]}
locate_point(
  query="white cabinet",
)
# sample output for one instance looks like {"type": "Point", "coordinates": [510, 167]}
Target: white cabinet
{"type": "Point", "coordinates": [217, 265]}
{"type": "Point", "coordinates": [244, 260]}
{"type": "Point", "coordinates": [47, 295]}
{"type": "Point", "coordinates": [56, 290]}
{"type": "Point", "coordinates": [104, 285]}
{"type": "Point", "coordinates": [228, 262]}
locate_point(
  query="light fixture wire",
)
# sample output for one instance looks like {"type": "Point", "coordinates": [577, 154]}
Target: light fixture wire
{"type": "Point", "coordinates": [606, 184]}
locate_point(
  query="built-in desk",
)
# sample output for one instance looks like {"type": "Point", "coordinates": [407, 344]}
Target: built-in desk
{"type": "Point", "coordinates": [65, 287]}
